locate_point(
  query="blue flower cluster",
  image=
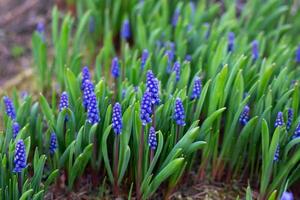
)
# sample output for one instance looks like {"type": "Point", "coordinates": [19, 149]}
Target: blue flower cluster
{"type": "Point", "coordinates": [64, 101]}
{"type": "Point", "coordinates": [20, 156]}
{"type": "Point", "coordinates": [115, 67]}
{"type": "Point", "coordinates": [117, 119]}
{"type": "Point", "coordinates": [146, 108]}
{"type": "Point", "coordinates": [289, 119]}
{"type": "Point", "coordinates": [144, 58]}
{"type": "Point", "coordinates": [152, 140]}
{"type": "Point", "coordinates": [125, 32]}
{"type": "Point", "coordinates": [15, 129]}
{"type": "Point", "coordinates": [231, 37]}
{"type": "Point", "coordinates": [85, 77]}
{"type": "Point", "coordinates": [197, 88]}
{"type": "Point", "coordinates": [153, 87]}
{"type": "Point", "coordinates": [9, 106]}
{"type": "Point", "coordinates": [244, 117]}
{"type": "Point", "coordinates": [255, 50]}
{"type": "Point", "coordinates": [176, 69]}
{"type": "Point", "coordinates": [179, 114]}
{"type": "Point", "coordinates": [279, 120]}
{"type": "Point", "coordinates": [53, 143]}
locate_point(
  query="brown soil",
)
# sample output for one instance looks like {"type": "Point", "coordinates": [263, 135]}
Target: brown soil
{"type": "Point", "coordinates": [18, 19]}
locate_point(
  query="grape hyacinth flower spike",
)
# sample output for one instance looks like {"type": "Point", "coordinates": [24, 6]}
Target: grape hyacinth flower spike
{"type": "Point", "coordinates": [244, 117]}
{"type": "Point", "coordinates": [197, 88]}
{"type": "Point", "coordinates": [297, 132]}
{"type": "Point", "coordinates": [230, 42]}
{"type": "Point", "coordinates": [175, 17]}
{"type": "Point", "coordinates": [92, 104]}
{"type": "Point", "coordinates": [40, 28]}
{"type": "Point", "coordinates": [279, 120]}
{"type": "Point", "coordinates": [115, 68]}
{"type": "Point", "coordinates": [153, 87]}
{"type": "Point", "coordinates": [125, 32]}
{"type": "Point", "coordinates": [176, 69]}
{"type": "Point", "coordinates": [287, 196]}
{"type": "Point", "coordinates": [144, 58]}
{"type": "Point", "coordinates": [53, 144]}
{"type": "Point", "coordinates": [179, 113]}
{"type": "Point", "coordinates": [255, 50]}
{"type": "Point", "coordinates": [298, 54]}
{"type": "Point", "coordinates": [289, 119]}
{"type": "Point", "coordinates": [85, 76]}
{"type": "Point", "coordinates": [15, 129]}
{"type": "Point", "coordinates": [64, 101]}
{"type": "Point", "coordinates": [9, 106]}
{"type": "Point", "coordinates": [152, 140]}
{"type": "Point", "coordinates": [117, 119]}
{"type": "Point", "coordinates": [146, 108]}
{"type": "Point", "coordinates": [170, 57]}
{"type": "Point", "coordinates": [20, 156]}
{"type": "Point", "coordinates": [88, 90]}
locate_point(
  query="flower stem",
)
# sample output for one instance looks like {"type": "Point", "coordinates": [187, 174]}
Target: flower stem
{"type": "Point", "coordinates": [139, 169]}
{"type": "Point", "coordinates": [116, 163]}
{"type": "Point", "coordinates": [20, 183]}
{"type": "Point", "coordinates": [153, 116]}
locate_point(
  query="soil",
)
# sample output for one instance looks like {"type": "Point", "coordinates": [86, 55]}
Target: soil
{"type": "Point", "coordinates": [18, 19]}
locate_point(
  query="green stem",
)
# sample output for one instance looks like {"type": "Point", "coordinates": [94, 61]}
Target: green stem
{"type": "Point", "coordinates": [139, 172]}
{"type": "Point", "coordinates": [116, 163]}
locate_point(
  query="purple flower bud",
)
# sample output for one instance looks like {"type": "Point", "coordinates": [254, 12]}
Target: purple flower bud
{"type": "Point", "coordinates": [230, 41]}
{"type": "Point", "coordinates": [53, 143]}
{"type": "Point", "coordinates": [197, 88]}
{"type": "Point", "coordinates": [152, 140]}
{"type": "Point", "coordinates": [15, 129]}
{"type": "Point", "coordinates": [20, 156]}
{"type": "Point", "coordinates": [117, 119]}
{"type": "Point", "coordinates": [179, 113]}
{"type": "Point", "coordinates": [40, 28]}
{"type": "Point", "coordinates": [92, 105]}
{"type": "Point", "coordinates": [297, 131]}
{"type": "Point", "coordinates": [85, 76]}
{"type": "Point", "coordinates": [152, 87]}
{"type": "Point", "coordinates": [144, 58]}
{"type": "Point", "coordinates": [289, 119]}
{"type": "Point", "coordinates": [176, 69]}
{"type": "Point", "coordinates": [146, 108]}
{"type": "Point", "coordinates": [244, 117]}
{"type": "Point", "coordinates": [170, 56]}
{"type": "Point", "coordinates": [115, 68]}
{"type": "Point", "coordinates": [298, 54]}
{"type": "Point", "coordinates": [279, 120]}
{"type": "Point", "coordinates": [188, 58]}
{"type": "Point", "coordinates": [255, 50]}
{"type": "Point", "coordinates": [287, 196]}
{"type": "Point", "coordinates": [276, 155]}
{"type": "Point", "coordinates": [126, 33]}
{"type": "Point", "coordinates": [9, 106]}
{"type": "Point", "coordinates": [175, 17]}
{"type": "Point", "coordinates": [64, 101]}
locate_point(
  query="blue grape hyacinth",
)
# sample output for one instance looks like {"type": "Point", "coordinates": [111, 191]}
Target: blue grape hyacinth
{"type": "Point", "coordinates": [117, 119]}
{"type": "Point", "coordinates": [230, 42]}
{"type": "Point", "coordinates": [287, 196]}
{"type": "Point", "coordinates": [170, 56]}
{"type": "Point", "coordinates": [152, 140]}
{"type": "Point", "coordinates": [53, 143]}
{"type": "Point", "coordinates": [175, 17]}
{"type": "Point", "coordinates": [64, 101]}
{"type": "Point", "coordinates": [92, 109]}
{"type": "Point", "coordinates": [146, 108]}
{"type": "Point", "coordinates": [85, 76]}
{"type": "Point", "coordinates": [255, 50]}
{"type": "Point", "coordinates": [289, 119]}
{"type": "Point", "coordinates": [279, 120]}
{"type": "Point", "coordinates": [244, 117]}
{"type": "Point", "coordinates": [297, 132]}
{"type": "Point", "coordinates": [197, 88]}
{"type": "Point", "coordinates": [125, 32]}
{"type": "Point", "coordinates": [153, 87]}
{"type": "Point", "coordinates": [179, 113]}
{"type": "Point", "coordinates": [298, 54]}
{"type": "Point", "coordinates": [15, 129]}
{"type": "Point", "coordinates": [176, 69]}
{"type": "Point", "coordinates": [115, 67]}
{"type": "Point", "coordinates": [144, 58]}
{"type": "Point", "coordinates": [88, 90]}
{"type": "Point", "coordinates": [20, 156]}
{"type": "Point", "coordinates": [276, 155]}
{"type": "Point", "coordinates": [40, 29]}
{"type": "Point", "coordinates": [9, 106]}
